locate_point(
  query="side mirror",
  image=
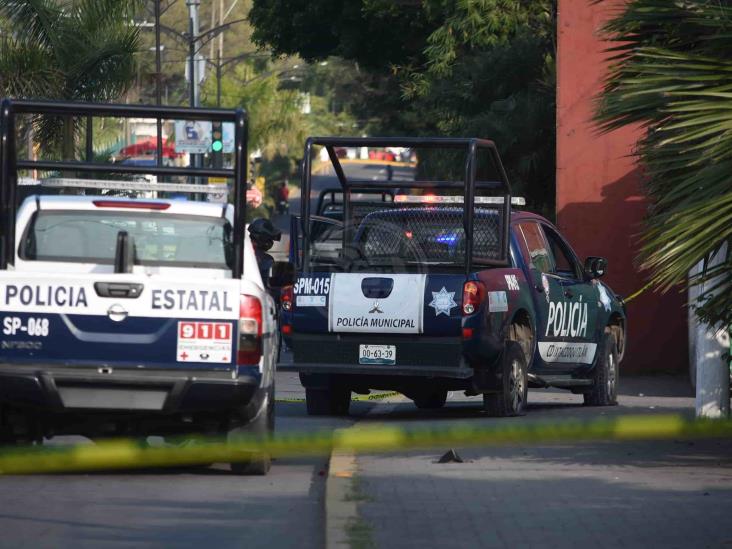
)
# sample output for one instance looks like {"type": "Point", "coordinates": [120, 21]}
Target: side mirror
{"type": "Point", "coordinates": [595, 267]}
{"type": "Point", "coordinates": [281, 274]}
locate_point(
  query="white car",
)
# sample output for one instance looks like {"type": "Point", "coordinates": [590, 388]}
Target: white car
{"type": "Point", "coordinates": [121, 317]}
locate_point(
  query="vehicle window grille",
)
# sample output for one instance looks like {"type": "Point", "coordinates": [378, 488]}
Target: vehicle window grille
{"type": "Point", "coordinates": [434, 234]}
{"type": "Point", "coordinates": [359, 210]}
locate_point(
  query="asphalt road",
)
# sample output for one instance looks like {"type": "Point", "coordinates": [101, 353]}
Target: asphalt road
{"type": "Point", "coordinates": [671, 493]}
{"type": "Point", "coordinates": [210, 506]}
{"type": "Point", "coordinates": [183, 507]}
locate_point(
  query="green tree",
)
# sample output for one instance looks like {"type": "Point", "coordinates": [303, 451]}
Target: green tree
{"type": "Point", "coordinates": [278, 125]}
{"type": "Point", "coordinates": [489, 72]}
{"type": "Point", "coordinates": [462, 67]}
{"type": "Point", "coordinates": [375, 33]}
{"type": "Point", "coordinates": [672, 75]}
{"type": "Point", "coordinates": [81, 51]}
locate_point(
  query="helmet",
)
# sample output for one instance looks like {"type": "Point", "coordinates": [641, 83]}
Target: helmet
{"type": "Point", "coordinates": [263, 233]}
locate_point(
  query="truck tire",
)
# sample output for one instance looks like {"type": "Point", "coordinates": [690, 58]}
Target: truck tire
{"type": "Point", "coordinates": [510, 400]}
{"type": "Point", "coordinates": [430, 400]}
{"type": "Point", "coordinates": [331, 401]}
{"type": "Point", "coordinates": [604, 390]}
{"type": "Point", "coordinates": [256, 463]}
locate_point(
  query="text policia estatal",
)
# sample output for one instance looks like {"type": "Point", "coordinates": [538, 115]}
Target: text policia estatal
{"type": "Point", "coordinates": [76, 296]}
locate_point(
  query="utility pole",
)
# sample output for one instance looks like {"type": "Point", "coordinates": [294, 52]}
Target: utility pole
{"type": "Point", "coordinates": [193, 66]}
{"type": "Point", "coordinates": [710, 345]}
{"type": "Point", "coordinates": [158, 86]}
{"type": "Point", "coordinates": [193, 31]}
{"type": "Point", "coordinates": [220, 53]}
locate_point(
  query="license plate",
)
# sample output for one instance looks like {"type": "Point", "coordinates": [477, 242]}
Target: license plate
{"type": "Point", "coordinates": [377, 354]}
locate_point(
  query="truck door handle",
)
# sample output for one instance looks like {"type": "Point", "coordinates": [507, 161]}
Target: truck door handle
{"type": "Point", "coordinates": [539, 289]}
{"type": "Point", "coordinates": [123, 290]}
{"type": "Point", "coordinates": [568, 294]}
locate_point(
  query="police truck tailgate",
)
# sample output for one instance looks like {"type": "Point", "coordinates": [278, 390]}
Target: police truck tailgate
{"type": "Point", "coordinates": [369, 322]}
{"type": "Point", "coordinates": [120, 321]}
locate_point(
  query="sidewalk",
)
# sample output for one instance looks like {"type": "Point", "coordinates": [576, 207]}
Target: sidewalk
{"type": "Point", "coordinates": [632, 494]}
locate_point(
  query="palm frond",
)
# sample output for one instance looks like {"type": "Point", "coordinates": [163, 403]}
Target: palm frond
{"type": "Point", "coordinates": [672, 73]}
{"type": "Point", "coordinates": [25, 71]}
{"type": "Point", "coordinates": [82, 50]}
{"type": "Point", "coordinates": [34, 21]}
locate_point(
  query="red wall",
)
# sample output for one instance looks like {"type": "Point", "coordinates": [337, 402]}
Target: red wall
{"type": "Point", "coordinates": [600, 204]}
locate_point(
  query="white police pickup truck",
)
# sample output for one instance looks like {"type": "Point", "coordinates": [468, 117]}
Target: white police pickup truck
{"type": "Point", "coordinates": [132, 317]}
{"type": "Point", "coordinates": [121, 316]}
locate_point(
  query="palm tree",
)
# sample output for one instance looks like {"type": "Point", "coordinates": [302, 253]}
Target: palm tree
{"type": "Point", "coordinates": [672, 74]}
{"type": "Point", "coordinates": [76, 50]}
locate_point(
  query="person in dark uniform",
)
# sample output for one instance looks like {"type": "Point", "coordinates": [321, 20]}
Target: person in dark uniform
{"type": "Point", "coordinates": [263, 236]}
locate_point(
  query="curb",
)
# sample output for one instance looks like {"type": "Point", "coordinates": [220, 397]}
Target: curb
{"type": "Point", "coordinates": [340, 512]}
{"type": "Point", "coordinates": [341, 509]}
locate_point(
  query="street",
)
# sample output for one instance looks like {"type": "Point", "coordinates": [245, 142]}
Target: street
{"type": "Point", "coordinates": [636, 494]}
{"type": "Point", "coordinates": [669, 493]}
{"type": "Point", "coordinates": [182, 507]}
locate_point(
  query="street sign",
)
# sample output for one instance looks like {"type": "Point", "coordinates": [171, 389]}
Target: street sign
{"type": "Point", "coordinates": [195, 137]}
{"type": "Point", "coordinates": [228, 137]}
{"type": "Point", "coordinates": [192, 136]}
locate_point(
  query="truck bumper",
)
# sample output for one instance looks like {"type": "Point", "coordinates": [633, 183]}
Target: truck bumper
{"type": "Point", "coordinates": [419, 356]}
{"type": "Point", "coordinates": [67, 389]}
{"type": "Point", "coordinates": [357, 369]}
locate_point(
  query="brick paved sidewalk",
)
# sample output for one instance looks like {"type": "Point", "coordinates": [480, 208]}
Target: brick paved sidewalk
{"type": "Point", "coordinates": [631, 494]}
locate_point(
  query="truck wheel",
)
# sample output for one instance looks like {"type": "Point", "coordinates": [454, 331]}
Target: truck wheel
{"type": "Point", "coordinates": [256, 463]}
{"type": "Point", "coordinates": [7, 437]}
{"type": "Point", "coordinates": [604, 391]}
{"type": "Point", "coordinates": [332, 401]}
{"type": "Point", "coordinates": [511, 399]}
{"type": "Point", "coordinates": [431, 401]}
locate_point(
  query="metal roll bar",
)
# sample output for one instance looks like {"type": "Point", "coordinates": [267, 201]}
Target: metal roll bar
{"type": "Point", "coordinates": [9, 163]}
{"type": "Point", "coordinates": [470, 145]}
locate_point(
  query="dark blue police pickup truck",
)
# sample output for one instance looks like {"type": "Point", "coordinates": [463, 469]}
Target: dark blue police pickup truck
{"type": "Point", "coordinates": [445, 288]}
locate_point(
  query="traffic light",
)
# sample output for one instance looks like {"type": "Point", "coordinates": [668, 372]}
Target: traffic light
{"type": "Point", "coordinates": [217, 144]}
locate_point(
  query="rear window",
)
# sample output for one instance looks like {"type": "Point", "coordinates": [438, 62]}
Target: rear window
{"type": "Point", "coordinates": [163, 240]}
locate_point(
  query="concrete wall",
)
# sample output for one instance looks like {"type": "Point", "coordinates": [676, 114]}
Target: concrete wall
{"type": "Point", "coordinates": [600, 202]}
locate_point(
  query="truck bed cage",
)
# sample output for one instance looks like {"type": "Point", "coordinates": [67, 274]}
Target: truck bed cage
{"type": "Point", "coordinates": [502, 187]}
{"type": "Point", "coordinates": [332, 192]}
{"type": "Point", "coordinates": [10, 164]}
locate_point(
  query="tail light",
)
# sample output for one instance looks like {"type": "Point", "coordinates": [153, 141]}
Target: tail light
{"type": "Point", "coordinates": [286, 298]}
{"type": "Point", "coordinates": [473, 296]}
{"type": "Point", "coordinates": [250, 330]}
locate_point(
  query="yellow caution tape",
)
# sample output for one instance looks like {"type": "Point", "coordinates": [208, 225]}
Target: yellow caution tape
{"type": "Point", "coordinates": [632, 296]}
{"type": "Point", "coordinates": [127, 454]}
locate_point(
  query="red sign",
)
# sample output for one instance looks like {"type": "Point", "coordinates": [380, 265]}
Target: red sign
{"type": "Point", "coordinates": [204, 341]}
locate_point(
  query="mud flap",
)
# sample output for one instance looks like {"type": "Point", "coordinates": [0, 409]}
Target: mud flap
{"type": "Point", "coordinates": [487, 379]}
